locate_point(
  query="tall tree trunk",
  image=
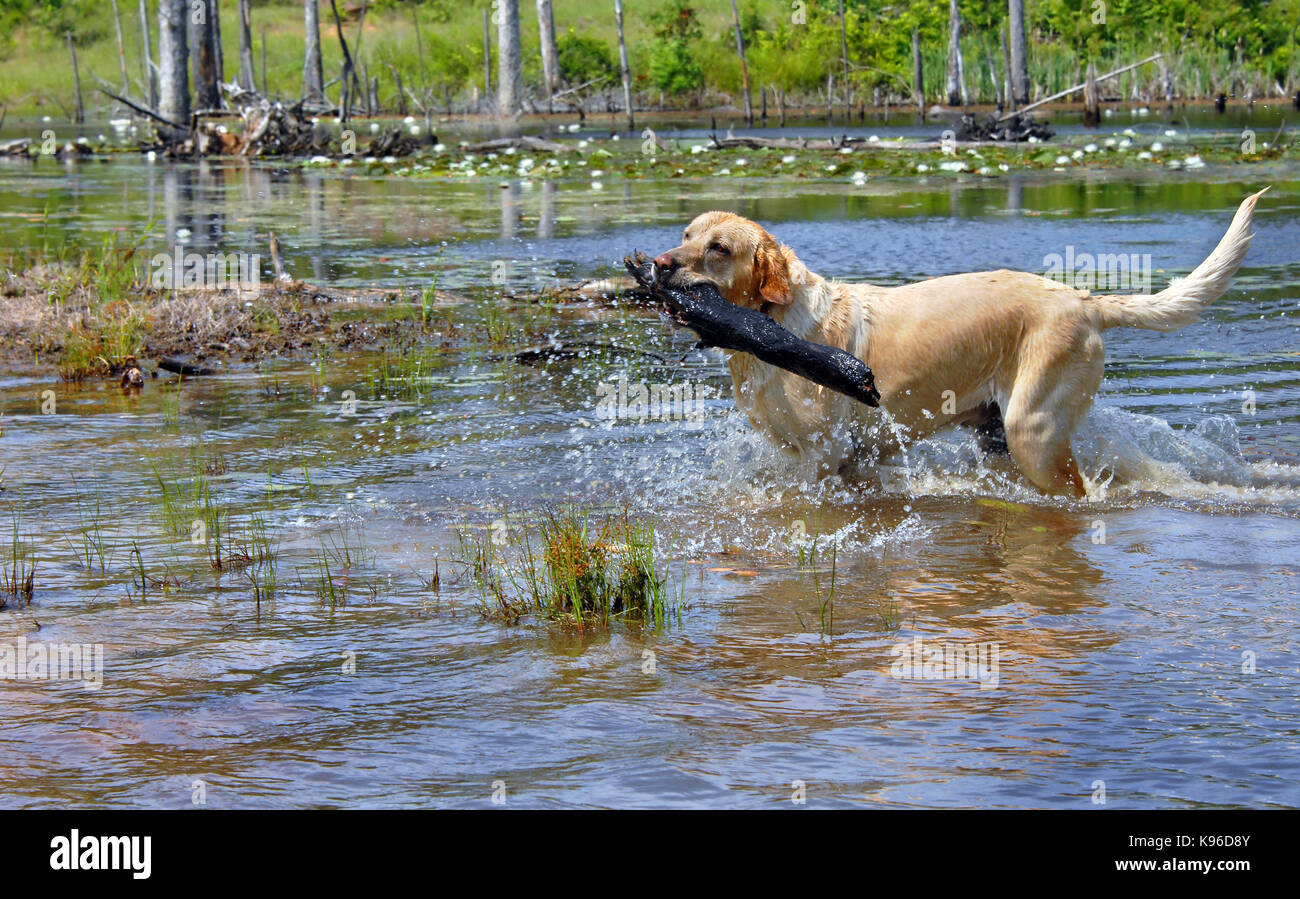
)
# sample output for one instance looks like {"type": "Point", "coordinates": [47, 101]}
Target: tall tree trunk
{"type": "Point", "coordinates": [744, 68]}
{"type": "Point", "coordinates": [1019, 58]}
{"type": "Point", "coordinates": [203, 56]}
{"type": "Point", "coordinates": [214, 22]}
{"type": "Point", "coordinates": [956, 83]}
{"type": "Point", "coordinates": [844, 59]}
{"type": "Point", "coordinates": [623, 67]}
{"type": "Point", "coordinates": [121, 50]}
{"type": "Point", "coordinates": [146, 57]}
{"type": "Point", "coordinates": [1008, 94]}
{"type": "Point", "coordinates": [246, 79]}
{"type": "Point", "coordinates": [918, 83]}
{"type": "Point", "coordinates": [510, 84]}
{"type": "Point", "coordinates": [173, 62]}
{"type": "Point", "coordinates": [487, 57]}
{"type": "Point", "coordinates": [550, 51]}
{"type": "Point", "coordinates": [80, 115]}
{"type": "Point", "coordinates": [313, 79]}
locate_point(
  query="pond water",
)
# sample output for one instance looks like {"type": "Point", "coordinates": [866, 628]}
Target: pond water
{"type": "Point", "coordinates": [1144, 638]}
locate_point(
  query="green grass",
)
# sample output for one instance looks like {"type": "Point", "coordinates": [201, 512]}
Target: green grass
{"type": "Point", "coordinates": [573, 566]}
{"type": "Point", "coordinates": [18, 571]}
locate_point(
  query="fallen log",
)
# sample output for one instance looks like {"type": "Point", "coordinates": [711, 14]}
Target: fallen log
{"type": "Point", "coordinates": [728, 326]}
{"type": "Point", "coordinates": [181, 367]}
{"type": "Point", "coordinates": [519, 143]}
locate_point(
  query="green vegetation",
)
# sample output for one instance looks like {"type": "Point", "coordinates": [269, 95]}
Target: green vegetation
{"type": "Point", "coordinates": [687, 51]}
{"type": "Point", "coordinates": [570, 567]}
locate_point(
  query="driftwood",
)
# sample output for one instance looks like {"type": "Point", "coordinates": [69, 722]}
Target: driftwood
{"type": "Point", "coordinates": [183, 368]}
{"type": "Point", "coordinates": [1004, 130]}
{"type": "Point", "coordinates": [728, 326]}
{"type": "Point", "coordinates": [1078, 87]}
{"type": "Point", "coordinates": [519, 143]}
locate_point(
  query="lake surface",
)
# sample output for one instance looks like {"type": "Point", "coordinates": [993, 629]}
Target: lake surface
{"type": "Point", "coordinates": [1145, 638]}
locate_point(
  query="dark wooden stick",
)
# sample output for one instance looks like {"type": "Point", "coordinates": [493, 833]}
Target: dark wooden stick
{"type": "Point", "coordinates": [724, 324]}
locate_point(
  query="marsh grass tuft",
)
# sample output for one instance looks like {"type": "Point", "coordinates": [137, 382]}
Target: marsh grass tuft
{"type": "Point", "coordinates": [571, 567]}
{"type": "Point", "coordinates": [18, 572]}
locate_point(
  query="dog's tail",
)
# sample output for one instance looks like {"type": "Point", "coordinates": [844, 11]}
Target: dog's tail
{"type": "Point", "coordinates": [1180, 304]}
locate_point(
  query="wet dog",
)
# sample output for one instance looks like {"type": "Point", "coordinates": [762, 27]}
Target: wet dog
{"type": "Point", "coordinates": [970, 349]}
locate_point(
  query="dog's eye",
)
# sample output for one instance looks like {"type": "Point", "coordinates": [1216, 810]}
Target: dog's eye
{"type": "Point", "coordinates": [719, 249]}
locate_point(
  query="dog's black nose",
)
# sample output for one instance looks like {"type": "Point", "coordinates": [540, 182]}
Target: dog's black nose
{"type": "Point", "coordinates": [665, 262]}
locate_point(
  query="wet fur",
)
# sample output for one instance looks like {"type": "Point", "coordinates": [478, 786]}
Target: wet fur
{"type": "Point", "coordinates": [1015, 355]}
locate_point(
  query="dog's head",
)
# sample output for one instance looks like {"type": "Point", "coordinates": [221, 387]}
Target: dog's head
{"type": "Point", "coordinates": [735, 255]}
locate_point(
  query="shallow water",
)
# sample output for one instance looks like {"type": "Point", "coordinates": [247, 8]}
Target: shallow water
{"type": "Point", "coordinates": [1145, 638]}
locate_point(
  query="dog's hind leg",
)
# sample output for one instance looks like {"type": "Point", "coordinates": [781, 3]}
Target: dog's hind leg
{"type": "Point", "coordinates": [1045, 405]}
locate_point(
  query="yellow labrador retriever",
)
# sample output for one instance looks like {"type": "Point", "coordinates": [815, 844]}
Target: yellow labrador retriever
{"type": "Point", "coordinates": [962, 349]}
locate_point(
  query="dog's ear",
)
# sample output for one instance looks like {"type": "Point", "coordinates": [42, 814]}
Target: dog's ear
{"type": "Point", "coordinates": [771, 273]}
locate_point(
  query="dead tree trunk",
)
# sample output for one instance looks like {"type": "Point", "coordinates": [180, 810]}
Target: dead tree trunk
{"type": "Point", "coordinates": [1008, 95]}
{"type": "Point", "coordinates": [918, 84]}
{"type": "Point", "coordinates": [1091, 98]}
{"type": "Point", "coordinates": [203, 56]}
{"type": "Point", "coordinates": [550, 51]}
{"type": "Point", "coordinates": [173, 62]}
{"type": "Point", "coordinates": [623, 67]}
{"type": "Point", "coordinates": [744, 67]}
{"type": "Point", "coordinates": [80, 115]}
{"type": "Point", "coordinates": [1019, 57]}
{"type": "Point", "coordinates": [146, 58]}
{"type": "Point", "coordinates": [214, 22]}
{"type": "Point", "coordinates": [121, 50]}
{"type": "Point", "coordinates": [313, 78]}
{"type": "Point", "coordinates": [956, 83]}
{"type": "Point", "coordinates": [844, 60]}
{"type": "Point", "coordinates": [246, 79]}
{"type": "Point", "coordinates": [487, 57]}
{"type": "Point", "coordinates": [510, 86]}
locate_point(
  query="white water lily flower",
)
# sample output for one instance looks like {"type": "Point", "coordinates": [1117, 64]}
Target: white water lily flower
{"type": "Point", "coordinates": [415, 130]}
{"type": "Point", "coordinates": [1125, 144]}
{"type": "Point", "coordinates": [439, 148]}
{"type": "Point", "coordinates": [597, 173]}
{"type": "Point", "coordinates": [1194, 162]}
{"type": "Point", "coordinates": [1169, 132]}
{"type": "Point", "coordinates": [696, 150]}
{"type": "Point", "coordinates": [575, 128]}
{"type": "Point", "coordinates": [1033, 140]}
{"type": "Point", "coordinates": [1157, 147]}
{"type": "Point", "coordinates": [832, 167]}
{"type": "Point", "coordinates": [846, 150]}
{"type": "Point", "coordinates": [511, 151]}
{"type": "Point", "coordinates": [374, 127]}
{"type": "Point", "coordinates": [1004, 167]}
{"type": "Point", "coordinates": [1129, 132]}
{"type": "Point", "coordinates": [874, 138]}
{"type": "Point", "coordinates": [1110, 141]}
{"type": "Point", "coordinates": [151, 156]}
{"type": "Point", "coordinates": [1144, 155]}
{"type": "Point", "coordinates": [957, 166]}
{"type": "Point", "coordinates": [787, 159]}
{"type": "Point", "coordinates": [319, 160]}
{"type": "Point", "coordinates": [724, 171]}
{"type": "Point", "coordinates": [389, 160]}
{"type": "Point", "coordinates": [922, 167]}
{"type": "Point", "coordinates": [582, 144]}
{"type": "Point", "coordinates": [742, 162]}
{"type": "Point", "coordinates": [1062, 160]}
{"type": "Point", "coordinates": [984, 170]}
{"type": "Point", "coordinates": [1143, 111]}
{"type": "Point", "coordinates": [409, 120]}
{"type": "Point", "coordinates": [1090, 148]}
{"type": "Point", "coordinates": [596, 185]}
{"type": "Point", "coordinates": [1174, 164]}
